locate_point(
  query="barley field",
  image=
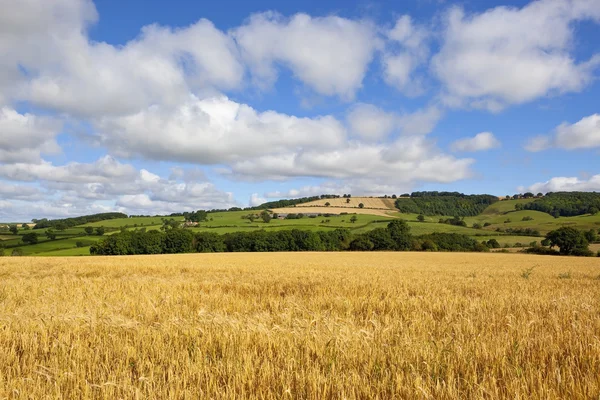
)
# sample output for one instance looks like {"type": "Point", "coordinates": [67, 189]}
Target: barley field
{"type": "Point", "coordinates": [300, 326]}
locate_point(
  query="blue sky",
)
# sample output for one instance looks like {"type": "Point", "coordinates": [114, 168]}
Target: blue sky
{"type": "Point", "coordinates": [150, 107]}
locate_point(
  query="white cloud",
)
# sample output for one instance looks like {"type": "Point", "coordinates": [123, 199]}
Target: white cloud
{"type": "Point", "coordinates": [105, 169]}
{"type": "Point", "coordinates": [507, 55]}
{"type": "Point", "coordinates": [162, 66]}
{"type": "Point", "coordinates": [480, 142]}
{"type": "Point", "coordinates": [371, 123]}
{"type": "Point", "coordinates": [30, 32]}
{"type": "Point", "coordinates": [256, 200]}
{"type": "Point", "coordinates": [584, 134]}
{"type": "Point", "coordinates": [408, 159]}
{"type": "Point", "coordinates": [567, 184]}
{"type": "Point", "coordinates": [215, 131]}
{"type": "Point", "coordinates": [24, 137]}
{"type": "Point", "coordinates": [407, 50]}
{"type": "Point", "coordinates": [328, 54]}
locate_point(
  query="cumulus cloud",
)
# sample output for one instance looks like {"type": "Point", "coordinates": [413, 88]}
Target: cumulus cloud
{"type": "Point", "coordinates": [584, 134]}
{"type": "Point", "coordinates": [371, 123]}
{"type": "Point", "coordinates": [256, 200]}
{"type": "Point", "coordinates": [104, 185]}
{"type": "Point", "coordinates": [480, 142]}
{"type": "Point", "coordinates": [48, 59]}
{"type": "Point", "coordinates": [509, 55]}
{"type": "Point", "coordinates": [408, 159]}
{"type": "Point", "coordinates": [105, 169]}
{"type": "Point", "coordinates": [407, 49]}
{"type": "Point", "coordinates": [328, 54]}
{"type": "Point", "coordinates": [566, 184]}
{"type": "Point", "coordinates": [215, 130]}
{"type": "Point", "coordinates": [24, 137]}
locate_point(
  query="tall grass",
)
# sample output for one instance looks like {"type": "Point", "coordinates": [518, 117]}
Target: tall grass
{"type": "Point", "coordinates": [311, 325]}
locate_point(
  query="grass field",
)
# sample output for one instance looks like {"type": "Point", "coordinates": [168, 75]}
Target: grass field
{"type": "Point", "coordinates": [310, 325]}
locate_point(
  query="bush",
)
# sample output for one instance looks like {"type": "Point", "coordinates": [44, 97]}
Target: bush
{"type": "Point", "coordinates": [527, 218]}
{"type": "Point", "coordinates": [493, 244]}
{"type": "Point", "coordinates": [79, 244]}
{"type": "Point", "coordinates": [486, 224]}
{"type": "Point", "coordinates": [477, 226]}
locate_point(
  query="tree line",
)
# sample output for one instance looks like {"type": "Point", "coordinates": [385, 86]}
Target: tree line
{"type": "Point", "coordinates": [64, 223]}
{"type": "Point", "coordinates": [565, 204]}
{"type": "Point", "coordinates": [445, 203]}
{"type": "Point", "coordinates": [395, 237]}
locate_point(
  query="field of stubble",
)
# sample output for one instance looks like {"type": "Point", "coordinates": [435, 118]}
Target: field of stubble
{"type": "Point", "coordinates": [311, 325]}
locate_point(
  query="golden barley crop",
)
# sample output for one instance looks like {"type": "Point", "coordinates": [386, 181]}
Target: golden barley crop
{"type": "Point", "coordinates": [306, 326]}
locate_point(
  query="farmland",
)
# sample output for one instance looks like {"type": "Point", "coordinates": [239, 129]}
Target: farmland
{"type": "Point", "coordinates": [309, 325]}
{"type": "Point", "coordinates": [497, 221]}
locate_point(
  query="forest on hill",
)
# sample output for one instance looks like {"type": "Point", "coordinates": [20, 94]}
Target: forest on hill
{"type": "Point", "coordinates": [445, 203]}
{"type": "Point", "coordinates": [566, 204]}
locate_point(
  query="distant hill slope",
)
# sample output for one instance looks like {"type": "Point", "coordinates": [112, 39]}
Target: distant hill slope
{"type": "Point", "coordinates": [354, 202]}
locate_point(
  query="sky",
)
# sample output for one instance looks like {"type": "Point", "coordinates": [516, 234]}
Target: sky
{"type": "Point", "coordinates": [154, 107]}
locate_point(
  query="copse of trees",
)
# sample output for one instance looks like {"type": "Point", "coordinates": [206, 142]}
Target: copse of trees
{"type": "Point", "coordinates": [566, 204]}
{"type": "Point", "coordinates": [445, 203]}
{"type": "Point", "coordinates": [196, 216]}
{"type": "Point", "coordinates": [61, 224]}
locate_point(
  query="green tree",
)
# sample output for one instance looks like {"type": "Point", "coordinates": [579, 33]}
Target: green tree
{"type": "Point", "coordinates": [25, 227]}
{"type": "Point", "coordinates": [353, 218]}
{"type": "Point", "coordinates": [13, 229]}
{"type": "Point", "coordinates": [327, 204]}
{"type": "Point", "coordinates": [361, 243]}
{"type": "Point", "coordinates": [265, 216]}
{"type": "Point", "coordinates": [421, 218]}
{"type": "Point", "coordinates": [361, 205]}
{"type": "Point", "coordinates": [492, 244]}
{"type": "Point", "coordinates": [30, 238]}
{"type": "Point", "coordinates": [347, 200]}
{"type": "Point", "coordinates": [100, 231]}
{"type": "Point", "coordinates": [178, 241]}
{"type": "Point", "coordinates": [88, 230]}
{"type": "Point", "coordinates": [570, 241]}
{"type": "Point", "coordinates": [381, 239]}
{"type": "Point", "coordinates": [591, 236]}
{"type": "Point", "coordinates": [50, 234]}
{"type": "Point", "coordinates": [400, 234]}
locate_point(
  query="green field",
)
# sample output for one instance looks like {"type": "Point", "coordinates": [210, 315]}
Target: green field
{"type": "Point", "coordinates": [500, 215]}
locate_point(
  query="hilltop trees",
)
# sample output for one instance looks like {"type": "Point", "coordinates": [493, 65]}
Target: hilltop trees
{"type": "Point", "coordinates": [445, 203]}
{"type": "Point", "coordinates": [566, 204]}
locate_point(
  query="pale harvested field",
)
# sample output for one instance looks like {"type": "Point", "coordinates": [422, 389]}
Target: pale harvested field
{"type": "Point", "coordinates": [308, 325]}
{"type": "Point", "coordinates": [333, 210]}
{"type": "Point", "coordinates": [368, 202]}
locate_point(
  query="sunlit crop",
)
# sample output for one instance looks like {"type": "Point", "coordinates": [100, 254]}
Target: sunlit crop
{"type": "Point", "coordinates": [309, 325]}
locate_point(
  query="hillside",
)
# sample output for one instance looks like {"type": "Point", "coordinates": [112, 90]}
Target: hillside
{"type": "Point", "coordinates": [354, 202]}
{"type": "Point", "coordinates": [504, 223]}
